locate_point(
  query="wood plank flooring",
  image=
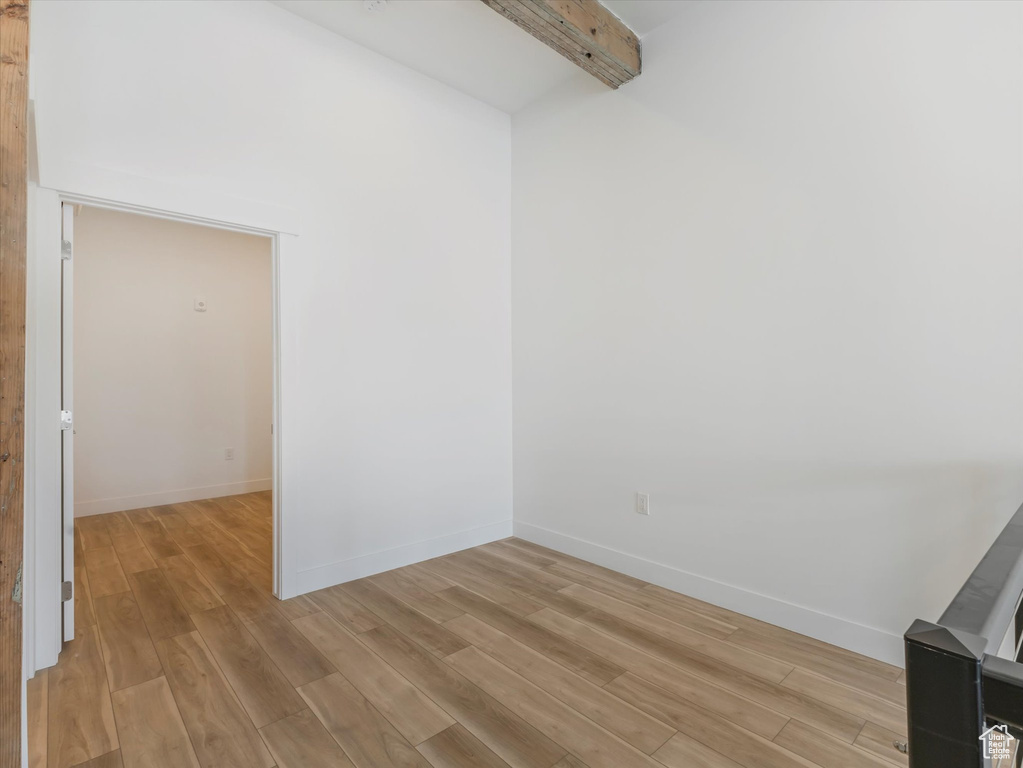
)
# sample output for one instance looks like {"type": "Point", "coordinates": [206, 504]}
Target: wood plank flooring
{"type": "Point", "coordinates": [508, 654]}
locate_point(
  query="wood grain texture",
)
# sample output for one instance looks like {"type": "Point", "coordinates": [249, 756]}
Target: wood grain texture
{"type": "Point", "coordinates": [642, 599]}
{"type": "Point", "coordinates": [881, 742]}
{"type": "Point", "coordinates": [506, 734]}
{"type": "Point", "coordinates": [540, 586]}
{"type": "Point", "coordinates": [79, 548]}
{"type": "Point", "coordinates": [707, 645]}
{"type": "Point", "coordinates": [437, 640]}
{"type": "Point", "coordinates": [14, 15]}
{"type": "Point", "coordinates": [591, 666]}
{"type": "Point", "coordinates": [100, 557]}
{"type": "Point", "coordinates": [598, 583]}
{"type": "Point", "coordinates": [164, 615]}
{"type": "Point", "coordinates": [194, 592]}
{"type": "Point", "coordinates": [217, 571]}
{"type": "Point", "coordinates": [859, 703]}
{"type": "Point", "coordinates": [94, 532]}
{"type": "Point", "coordinates": [830, 666]}
{"type": "Point", "coordinates": [465, 660]}
{"type": "Point", "coordinates": [81, 724]}
{"type": "Point", "coordinates": [85, 615]}
{"type": "Point", "coordinates": [123, 536]}
{"type": "Point", "coordinates": [135, 560]}
{"type": "Point", "coordinates": [409, 592]}
{"type": "Point", "coordinates": [220, 731]}
{"type": "Point", "coordinates": [107, 580]}
{"type": "Point", "coordinates": [720, 735]}
{"type": "Point", "coordinates": [293, 654]}
{"type": "Point", "coordinates": [256, 572]}
{"type": "Point", "coordinates": [517, 554]}
{"type": "Point", "coordinates": [249, 603]}
{"type": "Point", "coordinates": [415, 716]}
{"type": "Point", "coordinates": [685, 752]}
{"type": "Point", "coordinates": [155, 536]}
{"type": "Point", "coordinates": [301, 741]}
{"type": "Point", "coordinates": [821, 749]}
{"type": "Point", "coordinates": [127, 648]}
{"type": "Point", "coordinates": [692, 689]}
{"type": "Point", "coordinates": [455, 747]}
{"type": "Point", "coordinates": [483, 559]}
{"type": "Point", "coordinates": [583, 31]}
{"type": "Point", "coordinates": [792, 639]}
{"type": "Point", "coordinates": [423, 579]}
{"type": "Point", "coordinates": [787, 701]}
{"type": "Point", "coordinates": [37, 713]}
{"type": "Point", "coordinates": [556, 720]}
{"type": "Point", "coordinates": [453, 575]}
{"type": "Point", "coordinates": [295, 607]}
{"type": "Point", "coordinates": [623, 580]}
{"type": "Point", "coordinates": [150, 728]}
{"type": "Point", "coordinates": [625, 721]}
{"type": "Point", "coordinates": [109, 760]}
{"type": "Point", "coordinates": [366, 736]}
{"type": "Point", "coordinates": [262, 688]}
{"type": "Point", "coordinates": [346, 610]}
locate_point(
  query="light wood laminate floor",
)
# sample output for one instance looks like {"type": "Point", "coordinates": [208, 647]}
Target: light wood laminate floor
{"type": "Point", "coordinates": [508, 654]}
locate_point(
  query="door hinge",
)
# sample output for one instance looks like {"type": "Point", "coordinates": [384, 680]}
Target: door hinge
{"type": "Point", "coordinates": [65, 420]}
{"type": "Point", "coordinates": [65, 250]}
{"type": "Point", "coordinates": [67, 591]}
{"type": "Point", "coordinates": [16, 596]}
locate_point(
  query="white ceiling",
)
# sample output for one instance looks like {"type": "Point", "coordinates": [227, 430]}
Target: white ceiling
{"type": "Point", "coordinates": [644, 16]}
{"type": "Point", "coordinates": [466, 44]}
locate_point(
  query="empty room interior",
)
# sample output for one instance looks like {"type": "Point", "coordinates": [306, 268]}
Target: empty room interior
{"type": "Point", "coordinates": [171, 376]}
{"type": "Point", "coordinates": [511, 383]}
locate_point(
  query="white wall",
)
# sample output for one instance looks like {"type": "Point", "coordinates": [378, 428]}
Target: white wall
{"type": "Point", "coordinates": [771, 282]}
{"type": "Point", "coordinates": [774, 282]}
{"type": "Point", "coordinates": [160, 389]}
{"type": "Point", "coordinates": [394, 298]}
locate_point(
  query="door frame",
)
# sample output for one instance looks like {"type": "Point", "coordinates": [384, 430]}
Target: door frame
{"type": "Point", "coordinates": [163, 201]}
{"type": "Point", "coordinates": [67, 399]}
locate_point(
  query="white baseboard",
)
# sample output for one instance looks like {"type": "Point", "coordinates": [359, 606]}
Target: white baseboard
{"type": "Point", "coordinates": [103, 506]}
{"type": "Point", "coordinates": [868, 641]}
{"type": "Point", "coordinates": [328, 575]}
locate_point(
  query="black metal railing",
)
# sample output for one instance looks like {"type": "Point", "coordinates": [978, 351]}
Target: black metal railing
{"type": "Point", "coordinates": [957, 687]}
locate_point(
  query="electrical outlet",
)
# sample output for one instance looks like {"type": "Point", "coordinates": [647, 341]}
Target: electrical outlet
{"type": "Point", "coordinates": [643, 503]}
{"type": "Point", "coordinates": [229, 454]}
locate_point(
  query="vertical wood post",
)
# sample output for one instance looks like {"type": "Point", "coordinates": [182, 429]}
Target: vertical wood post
{"type": "Point", "coordinates": [13, 227]}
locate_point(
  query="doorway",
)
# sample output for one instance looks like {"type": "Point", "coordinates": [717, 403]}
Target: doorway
{"type": "Point", "coordinates": [169, 401]}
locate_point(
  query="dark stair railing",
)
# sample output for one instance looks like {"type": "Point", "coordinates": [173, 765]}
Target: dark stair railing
{"type": "Point", "coordinates": [956, 685]}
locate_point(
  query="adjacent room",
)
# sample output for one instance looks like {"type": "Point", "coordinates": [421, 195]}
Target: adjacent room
{"type": "Point", "coordinates": [173, 362]}
{"type": "Point", "coordinates": [168, 351]}
{"type": "Point", "coordinates": [511, 383]}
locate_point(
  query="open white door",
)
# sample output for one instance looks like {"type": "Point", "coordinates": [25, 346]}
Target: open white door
{"type": "Point", "coordinates": [67, 433]}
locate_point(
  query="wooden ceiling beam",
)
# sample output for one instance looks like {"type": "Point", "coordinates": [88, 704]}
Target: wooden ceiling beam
{"type": "Point", "coordinates": [583, 31]}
